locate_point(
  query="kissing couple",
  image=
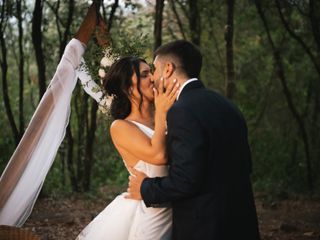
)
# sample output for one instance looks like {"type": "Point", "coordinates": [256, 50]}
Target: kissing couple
{"type": "Point", "coordinates": [189, 159]}
{"type": "Point", "coordinates": [185, 147]}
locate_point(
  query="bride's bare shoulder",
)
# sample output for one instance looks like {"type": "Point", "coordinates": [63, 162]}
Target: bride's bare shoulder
{"type": "Point", "coordinates": [121, 126]}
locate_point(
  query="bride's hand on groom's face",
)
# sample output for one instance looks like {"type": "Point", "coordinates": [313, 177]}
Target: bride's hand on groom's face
{"type": "Point", "coordinates": [165, 97]}
{"type": "Point", "coordinates": [135, 180]}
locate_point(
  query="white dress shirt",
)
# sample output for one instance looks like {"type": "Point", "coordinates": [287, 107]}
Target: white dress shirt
{"type": "Point", "coordinates": [184, 84]}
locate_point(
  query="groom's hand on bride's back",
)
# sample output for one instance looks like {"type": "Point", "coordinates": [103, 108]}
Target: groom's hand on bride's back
{"type": "Point", "coordinates": [135, 180]}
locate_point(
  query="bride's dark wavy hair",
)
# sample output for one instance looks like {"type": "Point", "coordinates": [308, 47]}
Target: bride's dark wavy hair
{"type": "Point", "coordinates": [118, 81]}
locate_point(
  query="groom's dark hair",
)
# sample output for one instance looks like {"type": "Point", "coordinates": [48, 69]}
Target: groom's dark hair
{"type": "Point", "coordinates": [184, 55]}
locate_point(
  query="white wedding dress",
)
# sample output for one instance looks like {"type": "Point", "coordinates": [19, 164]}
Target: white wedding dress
{"type": "Point", "coordinates": [126, 219]}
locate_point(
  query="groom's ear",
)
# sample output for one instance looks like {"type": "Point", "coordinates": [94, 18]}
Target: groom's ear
{"type": "Point", "coordinates": [169, 69]}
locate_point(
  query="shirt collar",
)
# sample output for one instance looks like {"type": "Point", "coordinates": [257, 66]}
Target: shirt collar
{"type": "Point", "coordinates": [184, 84]}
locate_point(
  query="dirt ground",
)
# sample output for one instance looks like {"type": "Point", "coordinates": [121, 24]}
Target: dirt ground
{"type": "Point", "coordinates": [293, 218]}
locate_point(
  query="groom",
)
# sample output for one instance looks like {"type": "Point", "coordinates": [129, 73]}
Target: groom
{"type": "Point", "coordinates": [209, 183]}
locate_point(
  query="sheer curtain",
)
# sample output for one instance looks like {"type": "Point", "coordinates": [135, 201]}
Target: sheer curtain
{"type": "Point", "coordinates": [24, 175]}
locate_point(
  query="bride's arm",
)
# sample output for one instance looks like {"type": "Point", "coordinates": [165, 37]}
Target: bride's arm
{"type": "Point", "coordinates": [129, 139]}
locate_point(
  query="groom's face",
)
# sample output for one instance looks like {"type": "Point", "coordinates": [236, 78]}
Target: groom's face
{"type": "Point", "coordinates": [158, 71]}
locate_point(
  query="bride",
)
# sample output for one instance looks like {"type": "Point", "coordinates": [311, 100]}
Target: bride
{"type": "Point", "coordinates": [129, 81]}
{"type": "Point", "coordinates": [138, 133]}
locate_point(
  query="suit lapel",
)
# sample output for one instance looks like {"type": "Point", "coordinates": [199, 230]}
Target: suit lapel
{"type": "Point", "coordinates": [188, 88]}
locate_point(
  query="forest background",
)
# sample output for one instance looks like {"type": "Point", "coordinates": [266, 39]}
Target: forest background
{"type": "Point", "coordinates": [263, 55]}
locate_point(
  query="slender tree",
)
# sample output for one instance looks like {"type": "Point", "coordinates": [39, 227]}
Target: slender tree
{"type": "Point", "coordinates": [63, 42]}
{"type": "Point", "coordinates": [37, 44]}
{"type": "Point", "coordinates": [194, 22]}
{"type": "Point", "coordinates": [314, 9]}
{"type": "Point", "coordinates": [4, 69]}
{"type": "Point", "coordinates": [179, 22]}
{"type": "Point", "coordinates": [158, 24]}
{"type": "Point", "coordinates": [21, 68]}
{"type": "Point", "coordinates": [90, 136]}
{"type": "Point", "coordinates": [114, 7]}
{"type": "Point", "coordinates": [230, 85]}
{"type": "Point", "coordinates": [66, 34]}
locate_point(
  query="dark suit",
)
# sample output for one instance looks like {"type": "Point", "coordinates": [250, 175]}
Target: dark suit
{"type": "Point", "coordinates": [209, 176]}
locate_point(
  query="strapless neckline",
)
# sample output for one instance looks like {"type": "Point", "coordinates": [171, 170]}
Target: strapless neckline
{"type": "Point", "coordinates": [140, 124]}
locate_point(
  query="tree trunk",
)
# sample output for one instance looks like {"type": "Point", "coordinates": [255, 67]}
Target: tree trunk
{"type": "Point", "coordinates": [63, 43]}
{"type": "Point", "coordinates": [281, 75]}
{"type": "Point", "coordinates": [174, 10]}
{"type": "Point", "coordinates": [315, 141]}
{"type": "Point", "coordinates": [230, 85]}
{"type": "Point", "coordinates": [37, 43]}
{"type": "Point", "coordinates": [113, 11]}
{"type": "Point", "coordinates": [21, 69]}
{"type": "Point", "coordinates": [66, 33]}
{"type": "Point", "coordinates": [4, 69]}
{"type": "Point", "coordinates": [83, 122]}
{"type": "Point", "coordinates": [89, 146]}
{"type": "Point", "coordinates": [314, 19]}
{"type": "Point", "coordinates": [194, 22]}
{"type": "Point", "coordinates": [158, 24]}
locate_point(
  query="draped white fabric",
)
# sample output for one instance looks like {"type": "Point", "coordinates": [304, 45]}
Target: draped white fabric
{"type": "Point", "coordinates": [41, 141]}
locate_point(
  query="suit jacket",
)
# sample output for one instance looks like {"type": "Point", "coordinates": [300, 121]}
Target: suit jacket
{"type": "Point", "coordinates": [208, 183]}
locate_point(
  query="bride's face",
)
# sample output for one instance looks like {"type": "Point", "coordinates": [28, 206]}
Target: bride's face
{"type": "Point", "coordinates": [146, 84]}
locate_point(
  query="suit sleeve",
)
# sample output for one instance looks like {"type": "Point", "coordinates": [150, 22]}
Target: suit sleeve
{"type": "Point", "coordinates": [187, 151]}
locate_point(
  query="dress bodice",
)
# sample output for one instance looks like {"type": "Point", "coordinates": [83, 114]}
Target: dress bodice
{"type": "Point", "coordinates": [149, 169]}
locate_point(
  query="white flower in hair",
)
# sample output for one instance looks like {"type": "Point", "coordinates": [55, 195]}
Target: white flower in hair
{"type": "Point", "coordinates": [109, 57]}
{"type": "Point", "coordinates": [102, 73]}
{"type": "Point", "coordinates": [106, 62]}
